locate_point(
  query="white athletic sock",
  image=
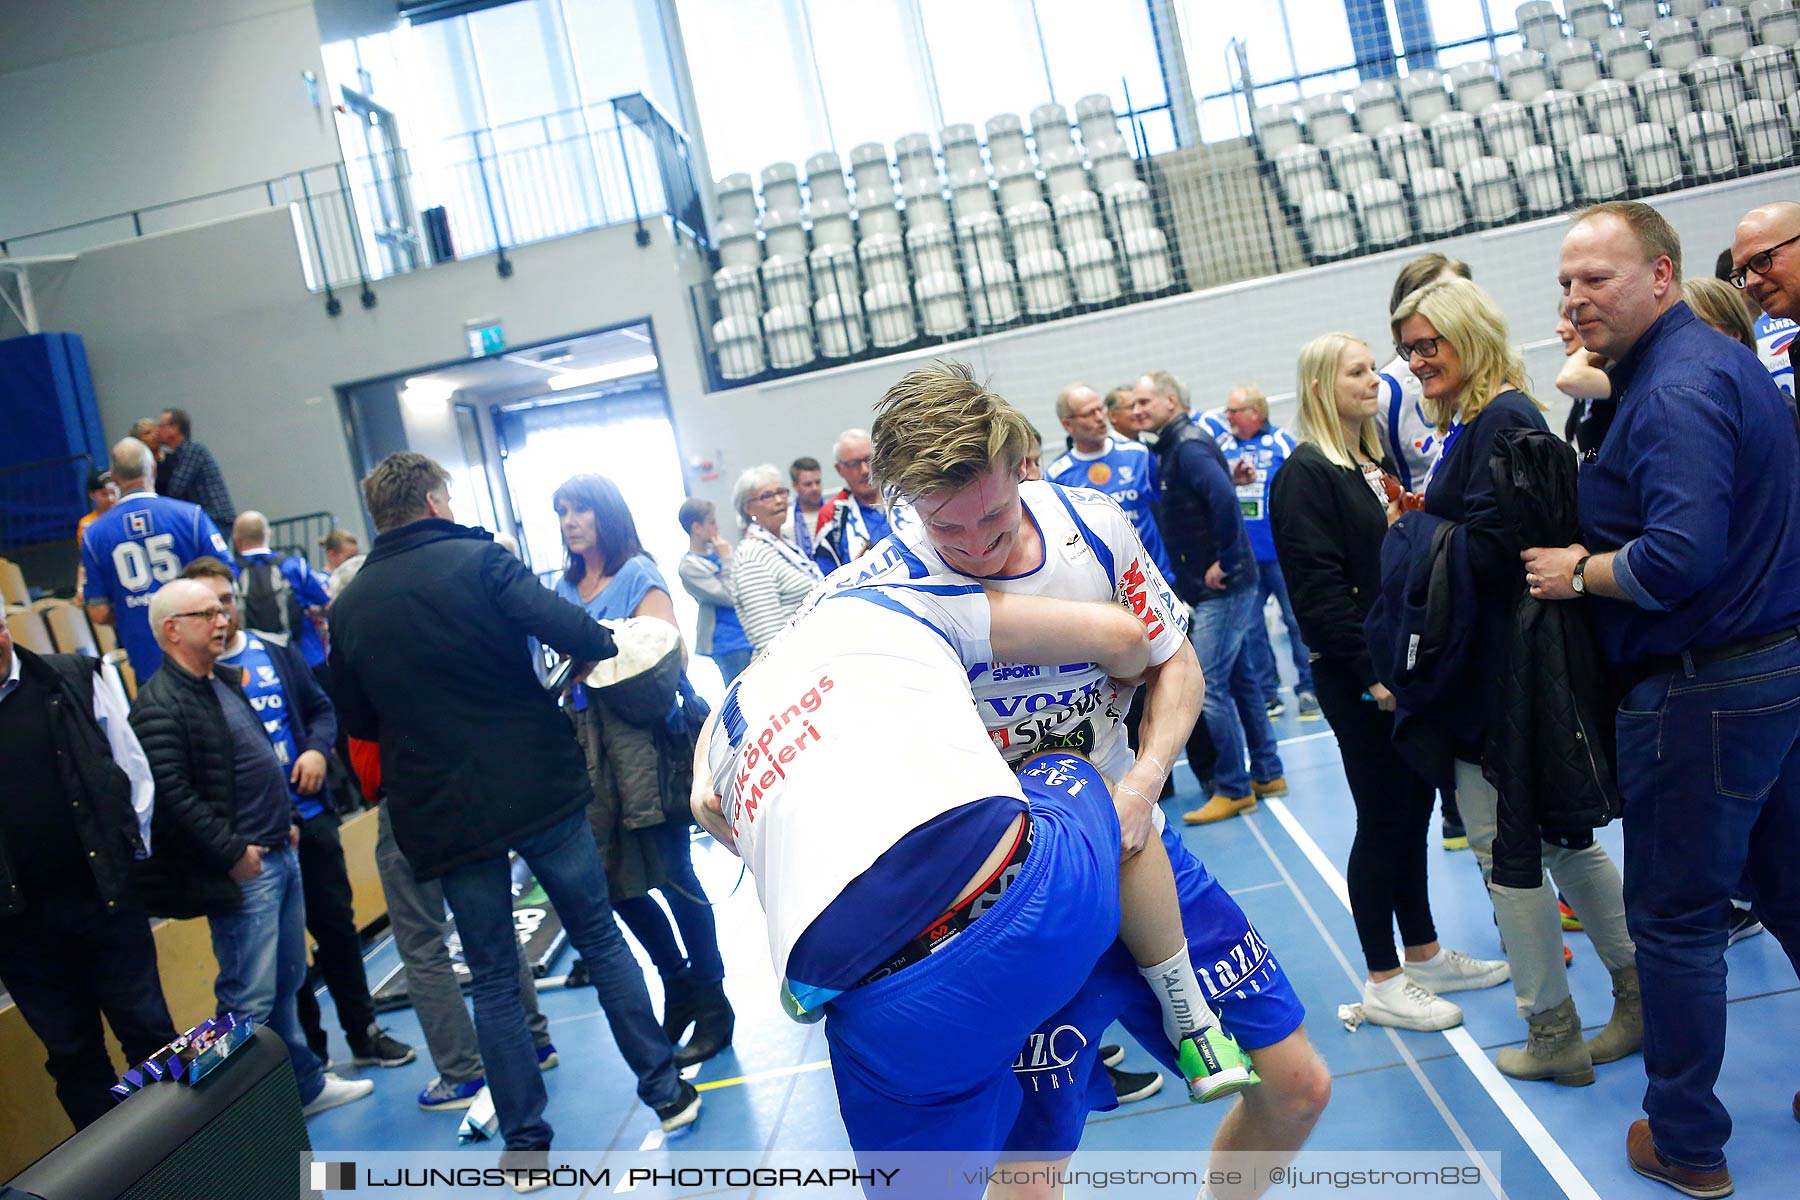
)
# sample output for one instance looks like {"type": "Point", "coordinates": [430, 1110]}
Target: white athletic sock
{"type": "Point", "coordinates": [1389, 986]}
{"type": "Point", "coordinates": [1185, 1010]}
{"type": "Point", "coordinates": [1429, 962]}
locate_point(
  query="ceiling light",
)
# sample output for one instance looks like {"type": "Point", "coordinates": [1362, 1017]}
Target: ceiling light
{"type": "Point", "coordinates": [640, 365]}
{"type": "Point", "coordinates": [425, 392]}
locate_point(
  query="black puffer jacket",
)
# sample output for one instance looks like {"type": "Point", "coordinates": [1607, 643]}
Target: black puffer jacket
{"type": "Point", "coordinates": [1550, 749]}
{"type": "Point", "coordinates": [193, 836]}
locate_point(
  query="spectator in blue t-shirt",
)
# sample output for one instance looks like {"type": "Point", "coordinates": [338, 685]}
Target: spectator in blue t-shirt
{"type": "Point", "coordinates": [135, 547]}
{"type": "Point", "coordinates": [1256, 449]}
{"type": "Point", "coordinates": [287, 608]}
{"type": "Point", "coordinates": [705, 572]}
{"type": "Point", "coordinates": [1122, 468]}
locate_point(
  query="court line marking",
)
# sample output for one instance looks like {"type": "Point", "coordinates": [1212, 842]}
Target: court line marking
{"type": "Point", "coordinates": [759, 1076]}
{"type": "Point", "coordinates": [1490, 1176]}
{"type": "Point", "coordinates": [1538, 1139]}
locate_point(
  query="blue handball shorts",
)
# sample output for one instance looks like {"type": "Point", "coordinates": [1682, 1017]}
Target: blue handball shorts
{"type": "Point", "coordinates": [1060, 1071]}
{"type": "Point", "coordinates": [924, 1059]}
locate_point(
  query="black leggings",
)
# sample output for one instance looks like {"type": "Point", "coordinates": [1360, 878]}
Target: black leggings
{"type": "Point", "coordinates": [1393, 813]}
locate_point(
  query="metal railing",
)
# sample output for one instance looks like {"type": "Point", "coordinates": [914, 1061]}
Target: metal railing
{"type": "Point", "coordinates": [299, 536]}
{"type": "Point", "coordinates": [356, 222]}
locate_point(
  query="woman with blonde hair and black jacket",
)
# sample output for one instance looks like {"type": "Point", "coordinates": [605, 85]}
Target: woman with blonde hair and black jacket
{"type": "Point", "coordinates": [1456, 340]}
{"type": "Point", "coordinates": [1329, 510]}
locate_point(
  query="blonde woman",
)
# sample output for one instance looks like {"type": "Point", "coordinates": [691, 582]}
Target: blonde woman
{"type": "Point", "coordinates": [1721, 306]}
{"type": "Point", "coordinates": [1456, 341]}
{"type": "Point", "coordinates": [1330, 511]}
{"type": "Point", "coordinates": [771, 576]}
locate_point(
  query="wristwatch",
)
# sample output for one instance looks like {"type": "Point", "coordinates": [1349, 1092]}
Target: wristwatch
{"type": "Point", "coordinates": [1578, 583]}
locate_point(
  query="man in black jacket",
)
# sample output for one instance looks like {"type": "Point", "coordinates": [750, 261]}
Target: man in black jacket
{"type": "Point", "coordinates": [74, 941]}
{"type": "Point", "coordinates": [302, 728]}
{"type": "Point", "coordinates": [429, 657]}
{"type": "Point", "coordinates": [225, 828]}
{"type": "Point", "coordinates": [1215, 571]}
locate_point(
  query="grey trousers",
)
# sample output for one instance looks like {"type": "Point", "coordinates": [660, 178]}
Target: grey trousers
{"type": "Point", "coordinates": [416, 914]}
{"type": "Point", "coordinates": [1530, 924]}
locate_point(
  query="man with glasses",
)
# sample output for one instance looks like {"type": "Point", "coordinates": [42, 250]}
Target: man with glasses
{"type": "Point", "coordinates": [1765, 260]}
{"type": "Point", "coordinates": [1690, 561]}
{"type": "Point", "coordinates": [225, 828]}
{"type": "Point", "coordinates": [854, 519]}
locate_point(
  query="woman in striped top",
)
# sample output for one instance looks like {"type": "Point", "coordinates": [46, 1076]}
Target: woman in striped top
{"type": "Point", "coordinates": [771, 576]}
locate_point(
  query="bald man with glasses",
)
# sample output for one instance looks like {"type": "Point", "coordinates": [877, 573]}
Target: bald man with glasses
{"type": "Point", "coordinates": [1765, 263]}
{"type": "Point", "coordinates": [225, 828]}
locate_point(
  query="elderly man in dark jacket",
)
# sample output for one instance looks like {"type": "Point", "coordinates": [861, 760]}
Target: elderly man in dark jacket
{"type": "Point", "coordinates": [225, 828]}
{"type": "Point", "coordinates": [429, 657]}
{"type": "Point", "coordinates": [73, 939]}
{"type": "Point", "coordinates": [1215, 571]}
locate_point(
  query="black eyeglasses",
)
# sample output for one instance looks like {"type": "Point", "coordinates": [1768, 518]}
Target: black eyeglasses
{"type": "Point", "coordinates": [1424, 348]}
{"type": "Point", "coordinates": [852, 464]}
{"type": "Point", "coordinates": [210, 614]}
{"type": "Point", "coordinates": [1759, 262]}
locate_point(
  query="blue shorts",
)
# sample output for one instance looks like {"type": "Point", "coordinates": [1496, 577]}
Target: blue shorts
{"type": "Point", "coordinates": [1256, 1004]}
{"type": "Point", "coordinates": [923, 1060]}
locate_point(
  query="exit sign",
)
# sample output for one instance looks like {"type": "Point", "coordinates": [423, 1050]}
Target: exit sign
{"type": "Point", "coordinates": [485, 336]}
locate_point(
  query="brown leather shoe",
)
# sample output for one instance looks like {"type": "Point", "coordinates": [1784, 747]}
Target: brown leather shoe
{"type": "Point", "coordinates": [1220, 808]}
{"type": "Point", "coordinates": [1702, 1185]}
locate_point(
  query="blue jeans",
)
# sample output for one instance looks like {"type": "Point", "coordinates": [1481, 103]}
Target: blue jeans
{"type": "Point", "coordinates": [1709, 769]}
{"type": "Point", "coordinates": [1273, 583]}
{"type": "Point", "coordinates": [1233, 711]}
{"type": "Point", "coordinates": [261, 950]}
{"type": "Point", "coordinates": [687, 901]}
{"type": "Point", "coordinates": [567, 865]}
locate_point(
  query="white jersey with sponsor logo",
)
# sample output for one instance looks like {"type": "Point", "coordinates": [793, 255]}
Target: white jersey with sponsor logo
{"type": "Point", "coordinates": [1774, 335]}
{"type": "Point", "coordinates": [852, 729]}
{"type": "Point", "coordinates": [1411, 438]}
{"type": "Point", "coordinates": [1091, 552]}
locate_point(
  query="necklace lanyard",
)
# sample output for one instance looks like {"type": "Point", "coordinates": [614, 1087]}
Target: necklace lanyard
{"type": "Point", "coordinates": [788, 551]}
{"type": "Point", "coordinates": [1450, 436]}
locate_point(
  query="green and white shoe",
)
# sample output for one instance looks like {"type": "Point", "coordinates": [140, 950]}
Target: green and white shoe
{"type": "Point", "coordinates": [1213, 1066]}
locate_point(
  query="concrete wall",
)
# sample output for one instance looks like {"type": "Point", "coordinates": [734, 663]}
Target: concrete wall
{"type": "Point", "coordinates": [108, 106]}
{"type": "Point", "coordinates": [217, 320]}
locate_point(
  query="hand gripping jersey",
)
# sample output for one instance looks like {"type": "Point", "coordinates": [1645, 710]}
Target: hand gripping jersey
{"type": "Point", "coordinates": [1266, 452]}
{"type": "Point", "coordinates": [1126, 471]}
{"type": "Point", "coordinates": [1774, 339]}
{"type": "Point", "coordinates": [1411, 439]}
{"type": "Point", "coordinates": [131, 550]}
{"type": "Point", "coordinates": [1091, 552]}
{"type": "Point", "coordinates": [851, 730]}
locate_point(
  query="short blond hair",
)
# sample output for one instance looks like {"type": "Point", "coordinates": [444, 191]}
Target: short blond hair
{"type": "Point", "coordinates": [939, 429]}
{"type": "Point", "coordinates": [1255, 397]}
{"type": "Point", "coordinates": [1721, 306]}
{"type": "Point", "coordinates": [1651, 229]}
{"type": "Point", "coordinates": [1317, 391]}
{"type": "Point", "coordinates": [1467, 317]}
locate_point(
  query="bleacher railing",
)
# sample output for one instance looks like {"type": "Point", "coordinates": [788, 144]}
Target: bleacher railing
{"type": "Point", "coordinates": [300, 536]}
{"type": "Point", "coordinates": [356, 222]}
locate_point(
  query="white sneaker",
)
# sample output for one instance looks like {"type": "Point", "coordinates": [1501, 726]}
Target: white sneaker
{"type": "Point", "coordinates": [337, 1091]}
{"type": "Point", "coordinates": [1408, 1006]}
{"type": "Point", "coordinates": [1454, 971]}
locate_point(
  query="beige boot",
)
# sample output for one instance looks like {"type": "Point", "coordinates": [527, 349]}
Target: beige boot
{"type": "Point", "coordinates": [1624, 1034]}
{"type": "Point", "coordinates": [1553, 1051]}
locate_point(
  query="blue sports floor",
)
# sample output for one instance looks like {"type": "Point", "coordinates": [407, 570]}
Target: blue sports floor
{"type": "Point", "coordinates": [1396, 1091]}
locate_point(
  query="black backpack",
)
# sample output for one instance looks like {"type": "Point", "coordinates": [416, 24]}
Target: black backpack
{"type": "Point", "coordinates": [269, 605]}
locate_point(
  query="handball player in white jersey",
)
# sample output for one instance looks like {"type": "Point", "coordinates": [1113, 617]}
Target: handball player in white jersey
{"type": "Point", "coordinates": [952, 448]}
{"type": "Point", "coordinates": [933, 907]}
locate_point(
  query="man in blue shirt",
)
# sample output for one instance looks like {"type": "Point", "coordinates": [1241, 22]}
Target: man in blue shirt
{"type": "Point", "coordinates": [1256, 449]}
{"type": "Point", "coordinates": [134, 548]}
{"type": "Point", "coordinates": [1122, 469]}
{"type": "Point", "coordinates": [1215, 571]}
{"type": "Point", "coordinates": [302, 727]}
{"type": "Point", "coordinates": [1690, 558]}
{"type": "Point", "coordinates": [188, 470]}
{"type": "Point", "coordinates": [291, 611]}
